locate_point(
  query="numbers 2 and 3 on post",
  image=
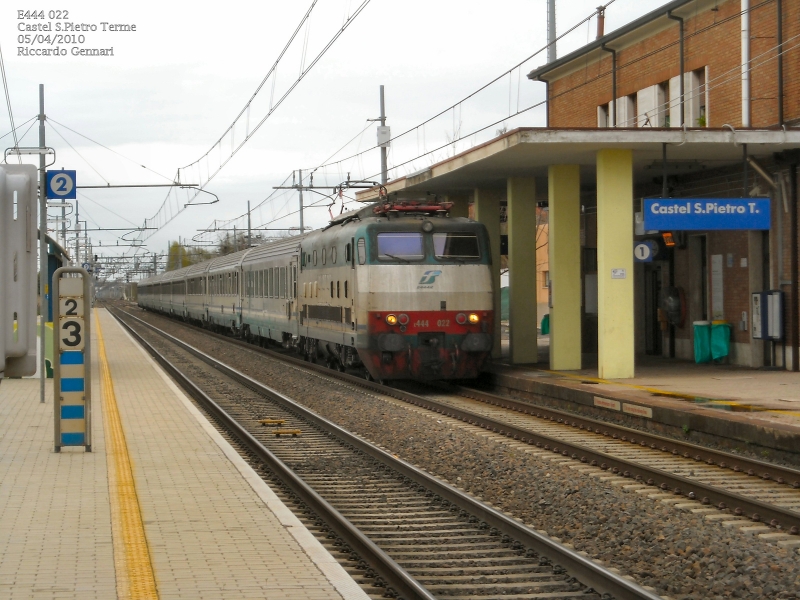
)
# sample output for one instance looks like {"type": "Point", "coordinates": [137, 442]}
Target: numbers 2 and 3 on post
{"type": "Point", "coordinates": [72, 361]}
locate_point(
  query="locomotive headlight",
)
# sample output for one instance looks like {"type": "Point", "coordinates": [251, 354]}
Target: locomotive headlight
{"type": "Point", "coordinates": [391, 319]}
{"type": "Point", "coordinates": [461, 318]}
{"type": "Point", "coordinates": [403, 319]}
{"type": "Point", "coordinates": [473, 318]}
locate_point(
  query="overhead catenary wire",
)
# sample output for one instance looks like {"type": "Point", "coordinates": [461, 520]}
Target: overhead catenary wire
{"type": "Point", "coordinates": [137, 163]}
{"type": "Point", "coordinates": [725, 77]}
{"type": "Point", "coordinates": [18, 127]}
{"type": "Point", "coordinates": [586, 82]}
{"type": "Point", "coordinates": [91, 166]}
{"type": "Point", "coordinates": [165, 214]}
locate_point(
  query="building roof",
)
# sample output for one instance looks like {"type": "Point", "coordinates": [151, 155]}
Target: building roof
{"type": "Point", "coordinates": [631, 33]}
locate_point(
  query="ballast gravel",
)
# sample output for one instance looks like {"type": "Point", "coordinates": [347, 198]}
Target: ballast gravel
{"type": "Point", "coordinates": [674, 551]}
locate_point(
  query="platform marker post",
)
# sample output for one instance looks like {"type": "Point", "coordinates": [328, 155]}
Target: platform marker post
{"type": "Point", "coordinates": [72, 376]}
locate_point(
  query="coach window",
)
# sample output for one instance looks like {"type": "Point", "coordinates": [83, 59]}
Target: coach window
{"type": "Point", "coordinates": [362, 251]}
{"type": "Point", "coordinates": [333, 255]}
{"type": "Point", "coordinates": [315, 258]}
{"type": "Point", "coordinates": [324, 261]}
{"type": "Point", "coordinates": [347, 257]}
{"type": "Point", "coordinates": [331, 289]}
{"type": "Point", "coordinates": [338, 290]}
{"type": "Point", "coordinates": [345, 288]}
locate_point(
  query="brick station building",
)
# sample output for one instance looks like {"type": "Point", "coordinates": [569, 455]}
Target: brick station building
{"type": "Point", "coordinates": [696, 64]}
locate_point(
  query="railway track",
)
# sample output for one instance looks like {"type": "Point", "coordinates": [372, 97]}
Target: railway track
{"type": "Point", "coordinates": [748, 488]}
{"type": "Point", "coordinates": [409, 534]}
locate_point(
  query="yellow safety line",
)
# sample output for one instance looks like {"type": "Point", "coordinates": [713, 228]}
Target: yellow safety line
{"type": "Point", "coordinates": [135, 577]}
{"type": "Point", "coordinates": [668, 393]}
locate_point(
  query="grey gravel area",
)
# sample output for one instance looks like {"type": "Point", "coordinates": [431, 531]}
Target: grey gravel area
{"type": "Point", "coordinates": [676, 552]}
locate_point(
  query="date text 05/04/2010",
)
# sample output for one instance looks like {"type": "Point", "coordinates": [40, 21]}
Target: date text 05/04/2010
{"type": "Point", "coordinates": [58, 51]}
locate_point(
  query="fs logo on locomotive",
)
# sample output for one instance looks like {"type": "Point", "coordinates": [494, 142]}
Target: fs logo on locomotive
{"type": "Point", "coordinates": [428, 279]}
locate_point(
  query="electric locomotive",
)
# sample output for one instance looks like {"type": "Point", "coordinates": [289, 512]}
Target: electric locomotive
{"type": "Point", "coordinates": [399, 289]}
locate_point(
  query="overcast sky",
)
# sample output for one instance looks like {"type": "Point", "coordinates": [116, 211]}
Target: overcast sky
{"type": "Point", "coordinates": [175, 85]}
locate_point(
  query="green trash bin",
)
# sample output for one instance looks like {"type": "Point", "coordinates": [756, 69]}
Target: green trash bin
{"type": "Point", "coordinates": [720, 339]}
{"type": "Point", "coordinates": [545, 324]}
{"type": "Point", "coordinates": [702, 341]}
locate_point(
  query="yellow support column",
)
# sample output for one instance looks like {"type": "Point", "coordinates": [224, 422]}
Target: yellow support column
{"type": "Point", "coordinates": [487, 211]}
{"type": "Point", "coordinates": [521, 212]}
{"type": "Point", "coordinates": [615, 358]}
{"type": "Point", "coordinates": [460, 205]}
{"type": "Point", "coordinates": [564, 247]}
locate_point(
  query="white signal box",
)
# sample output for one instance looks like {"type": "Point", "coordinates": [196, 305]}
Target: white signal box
{"type": "Point", "coordinates": [18, 269]}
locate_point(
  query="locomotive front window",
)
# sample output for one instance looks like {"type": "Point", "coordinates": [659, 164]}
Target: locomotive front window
{"type": "Point", "coordinates": [400, 246]}
{"type": "Point", "coordinates": [463, 246]}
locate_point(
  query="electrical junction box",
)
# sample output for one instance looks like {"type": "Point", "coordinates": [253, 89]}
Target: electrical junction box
{"type": "Point", "coordinates": [384, 135]}
{"type": "Point", "coordinates": [767, 311]}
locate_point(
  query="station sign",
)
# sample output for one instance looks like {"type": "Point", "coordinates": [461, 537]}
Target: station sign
{"type": "Point", "coordinates": [61, 184]}
{"type": "Point", "coordinates": [72, 382]}
{"type": "Point", "coordinates": [702, 214]}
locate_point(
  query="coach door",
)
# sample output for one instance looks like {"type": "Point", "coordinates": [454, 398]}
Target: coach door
{"type": "Point", "coordinates": [291, 304]}
{"type": "Point", "coordinates": [349, 286]}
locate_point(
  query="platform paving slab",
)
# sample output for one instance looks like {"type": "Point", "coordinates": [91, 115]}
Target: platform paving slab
{"type": "Point", "coordinates": [55, 520]}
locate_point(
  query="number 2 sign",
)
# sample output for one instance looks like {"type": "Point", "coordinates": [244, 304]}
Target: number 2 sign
{"type": "Point", "coordinates": [72, 362]}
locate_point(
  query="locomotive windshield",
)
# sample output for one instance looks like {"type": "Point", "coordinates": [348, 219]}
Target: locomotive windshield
{"type": "Point", "coordinates": [456, 245]}
{"type": "Point", "coordinates": [400, 246]}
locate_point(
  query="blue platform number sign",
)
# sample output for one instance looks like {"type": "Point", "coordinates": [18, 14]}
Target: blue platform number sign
{"type": "Point", "coordinates": [703, 214]}
{"type": "Point", "coordinates": [61, 185]}
{"type": "Point", "coordinates": [645, 251]}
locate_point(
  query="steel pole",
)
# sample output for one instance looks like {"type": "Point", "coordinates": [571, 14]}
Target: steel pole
{"type": "Point", "coordinates": [42, 244]}
{"type": "Point", "coordinates": [300, 188]}
{"type": "Point", "coordinates": [384, 175]}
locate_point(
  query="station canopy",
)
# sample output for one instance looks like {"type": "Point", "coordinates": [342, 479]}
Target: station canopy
{"type": "Point", "coordinates": [528, 152]}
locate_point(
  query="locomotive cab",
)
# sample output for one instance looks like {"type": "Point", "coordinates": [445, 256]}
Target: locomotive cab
{"type": "Point", "coordinates": [424, 296]}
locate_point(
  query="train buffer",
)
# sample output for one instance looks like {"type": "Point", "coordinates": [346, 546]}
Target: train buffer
{"type": "Point", "coordinates": [292, 432]}
{"type": "Point", "coordinates": [273, 422]}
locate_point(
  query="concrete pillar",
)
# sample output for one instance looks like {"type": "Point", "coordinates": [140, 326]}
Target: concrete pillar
{"type": "Point", "coordinates": [615, 358]}
{"type": "Point", "coordinates": [487, 211]}
{"type": "Point", "coordinates": [565, 266]}
{"type": "Point", "coordinates": [521, 212]}
{"type": "Point", "coordinates": [460, 204]}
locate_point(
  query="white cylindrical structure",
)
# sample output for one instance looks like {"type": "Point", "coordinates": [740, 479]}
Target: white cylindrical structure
{"type": "Point", "coordinates": [745, 63]}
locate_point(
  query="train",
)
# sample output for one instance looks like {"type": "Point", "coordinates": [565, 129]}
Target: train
{"type": "Point", "coordinates": [398, 289]}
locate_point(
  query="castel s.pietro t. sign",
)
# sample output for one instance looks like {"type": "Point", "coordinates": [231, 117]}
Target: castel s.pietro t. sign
{"type": "Point", "coordinates": [671, 214]}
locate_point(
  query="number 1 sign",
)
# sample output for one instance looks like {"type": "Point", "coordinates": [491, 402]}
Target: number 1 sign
{"type": "Point", "coordinates": [72, 363]}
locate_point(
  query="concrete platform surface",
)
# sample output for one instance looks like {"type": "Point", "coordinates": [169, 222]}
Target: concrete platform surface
{"type": "Point", "coordinates": [212, 526]}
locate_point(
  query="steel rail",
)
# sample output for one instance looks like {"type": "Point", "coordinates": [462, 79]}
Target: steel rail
{"type": "Point", "coordinates": [751, 466]}
{"type": "Point", "coordinates": [756, 510]}
{"type": "Point", "coordinates": [583, 569]}
{"type": "Point", "coordinates": [394, 575]}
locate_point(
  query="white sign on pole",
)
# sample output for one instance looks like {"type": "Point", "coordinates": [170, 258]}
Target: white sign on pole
{"type": "Point", "coordinates": [72, 359]}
